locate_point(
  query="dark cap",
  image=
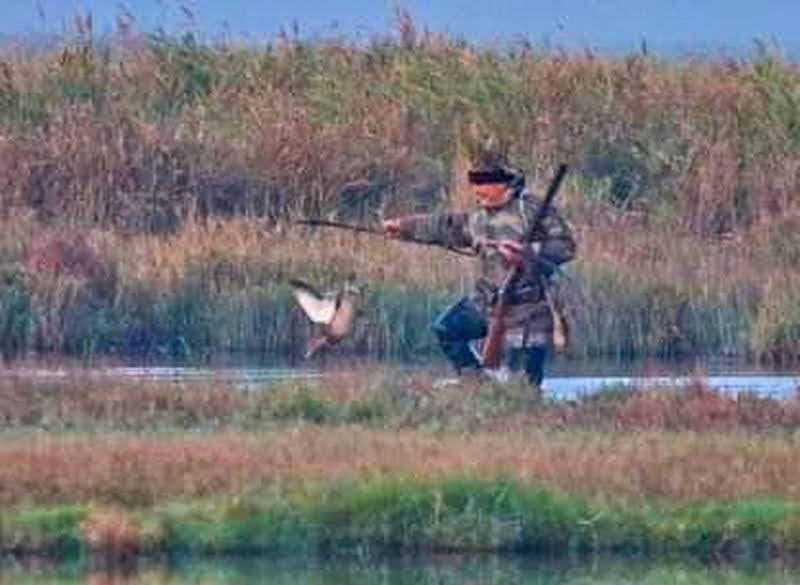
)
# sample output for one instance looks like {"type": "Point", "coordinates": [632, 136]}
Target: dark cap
{"type": "Point", "coordinates": [483, 176]}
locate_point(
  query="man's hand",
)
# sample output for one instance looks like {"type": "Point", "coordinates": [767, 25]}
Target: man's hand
{"type": "Point", "coordinates": [391, 227]}
{"type": "Point", "coordinates": [513, 252]}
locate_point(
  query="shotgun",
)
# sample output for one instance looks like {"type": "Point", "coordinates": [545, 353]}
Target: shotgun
{"type": "Point", "coordinates": [493, 346]}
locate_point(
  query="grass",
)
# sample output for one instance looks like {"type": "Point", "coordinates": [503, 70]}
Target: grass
{"type": "Point", "coordinates": [383, 464]}
{"type": "Point", "coordinates": [387, 399]}
{"type": "Point", "coordinates": [395, 513]}
{"type": "Point", "coordinates": [141, 470]}
{"type": "Point", "coordinates": [408, 569]}
{"type": "Point", "coordinates": [149, 183]}
{"type": "Point", "coordinates": [222, 288]}
{"type": "Point", "coordinates": [148, 188]}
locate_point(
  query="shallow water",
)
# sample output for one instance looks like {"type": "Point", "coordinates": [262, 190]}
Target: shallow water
{"type": "Point", "coordinates": [564, 379]}
{"type": "Point", "coordinates": [417, 571]}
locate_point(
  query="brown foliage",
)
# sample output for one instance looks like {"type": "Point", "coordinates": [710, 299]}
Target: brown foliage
{"type": "Point", "coordinates": [694, 408]}
{"type": "Point", "coordinates": [65, 252]}
{"type": "Point", "coordinates": [137, 470]}
{"type": "Point", "coordinates": [112, 534]}
{"type": "Point", "coordinates": [282, 132]}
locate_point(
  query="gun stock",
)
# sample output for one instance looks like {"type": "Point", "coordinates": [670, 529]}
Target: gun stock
{"type": "Point", "coordinates": [493, 344]}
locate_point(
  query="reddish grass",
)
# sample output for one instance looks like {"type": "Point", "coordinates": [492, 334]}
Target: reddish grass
{"type": "Point", "coordinates": [65, 252]}
{"type": "Point", "coordinates": [139, 470]}
{"type": "Point", "coordinates": [160, 123]}
{"type": "Point", "coordinates": [694, 408]}
{"type": "Point", "coordinates": [396, 400]}
{"type": "Point", "coordinates": [112, 534]}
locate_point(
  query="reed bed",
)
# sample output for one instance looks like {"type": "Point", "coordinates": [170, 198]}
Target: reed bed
{"type": "Point", "coordinates": [148, 184]}
{"type": "Point", "coordinates": [221, 286]}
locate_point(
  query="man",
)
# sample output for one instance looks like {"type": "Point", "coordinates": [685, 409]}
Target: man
{"type": "Point", "coordinates": [495, 230]}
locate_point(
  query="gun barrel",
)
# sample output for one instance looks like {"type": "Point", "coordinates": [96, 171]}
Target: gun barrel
{"type": "Point", "coordinates": [314, 222]}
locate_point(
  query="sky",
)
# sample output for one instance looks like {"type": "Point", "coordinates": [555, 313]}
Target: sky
{"type": "Point", "coordinates": [667, 26]}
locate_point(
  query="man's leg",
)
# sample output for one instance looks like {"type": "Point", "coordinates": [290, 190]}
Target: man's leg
{"type": "Point", "coordinates": [534, 364]}
{"type": "Point", "coordinates": [531, 359]}
{"type": "Point", "coordinates": [455, 328]}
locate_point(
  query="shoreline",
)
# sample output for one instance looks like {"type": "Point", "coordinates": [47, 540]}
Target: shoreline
{"type": "Point", "coordinates": [395, 514]}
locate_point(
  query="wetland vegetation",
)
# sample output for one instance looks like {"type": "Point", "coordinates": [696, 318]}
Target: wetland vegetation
{"type": "Point", "coordinates": [383, 463]}
{"type": "Point", "coordinates": [148, 186]}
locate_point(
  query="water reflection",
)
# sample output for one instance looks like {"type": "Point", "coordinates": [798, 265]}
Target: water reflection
{"type": "Point", "coordinates": [416, 571]}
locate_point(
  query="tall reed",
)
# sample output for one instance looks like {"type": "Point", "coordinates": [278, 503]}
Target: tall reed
{"type": "Point", "coordinates": [149, 141]}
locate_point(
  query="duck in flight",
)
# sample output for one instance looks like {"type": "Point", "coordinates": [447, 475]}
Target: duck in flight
{"type": "Point", "coordinates": [334, 310]}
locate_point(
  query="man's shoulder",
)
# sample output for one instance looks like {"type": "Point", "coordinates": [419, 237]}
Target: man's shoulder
{"type": "Point", "coordinates": [531, 202]}
{"type": "Point", "coordinates": [530, 199]}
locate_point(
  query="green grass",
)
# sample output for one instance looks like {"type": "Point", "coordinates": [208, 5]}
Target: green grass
{"type": "Point", "coordinates": [612, 313]}
{"type": "Point", "coordinates": [386, 514]}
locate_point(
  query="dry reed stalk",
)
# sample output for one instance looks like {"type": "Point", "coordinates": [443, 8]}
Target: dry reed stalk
{"type": "Point", "coordinates": [167, 134]}
{"type": "Point", "coordinates": [694, 119]}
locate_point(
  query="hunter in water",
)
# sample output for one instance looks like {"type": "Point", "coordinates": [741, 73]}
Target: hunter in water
{"type": "Point", "coordinates": [520, 241]}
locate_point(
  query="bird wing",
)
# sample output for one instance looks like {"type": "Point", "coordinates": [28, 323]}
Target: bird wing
{"type": "Point", "coordinates": [320, 308]}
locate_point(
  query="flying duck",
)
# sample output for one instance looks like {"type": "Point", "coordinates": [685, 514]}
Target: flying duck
{"type": "Point", "coordinates": [335, 310]}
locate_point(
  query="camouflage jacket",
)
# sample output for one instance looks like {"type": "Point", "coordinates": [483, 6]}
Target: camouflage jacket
{"type": "Point", "coordinates": [511, 221]}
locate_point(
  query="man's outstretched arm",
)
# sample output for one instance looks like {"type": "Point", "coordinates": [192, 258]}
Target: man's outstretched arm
{"type": "Point", "coordinates": [446, 229]}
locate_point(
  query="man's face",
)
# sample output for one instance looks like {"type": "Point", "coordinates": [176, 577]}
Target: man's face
{"type": "Point", "coordinates": [491, 194]}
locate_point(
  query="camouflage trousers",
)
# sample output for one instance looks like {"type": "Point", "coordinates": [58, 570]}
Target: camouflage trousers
{"type": "Point", "coordinates": [528, 335]}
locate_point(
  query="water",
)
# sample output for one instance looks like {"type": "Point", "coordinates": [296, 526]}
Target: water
{"type": "Point", "coordinates": [569, 379]}
{"type": "Point", "coordinates": [564, 379]}
{"type": "Point", "coordinates": [446, 570]}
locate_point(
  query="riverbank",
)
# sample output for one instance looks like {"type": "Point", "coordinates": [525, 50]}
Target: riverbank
{"type": "Point", "coordinates": [381, 398]}
{"type": "Point", "coordinates": [395, 514]}
{"type": "Point", "coordinates": [384, 464]}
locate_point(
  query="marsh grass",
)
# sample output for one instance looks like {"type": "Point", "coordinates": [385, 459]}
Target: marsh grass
{"type": "Point", "coordinates": [391, 514]}
{"type": "Point", "coordinates": [147, 190]}
{"type": "Point", "coordinates": [181, 164]}
{"type": "Point", "coordinates": [157, 441]}
{"type": "Point", "coordinates": [377, 399]}
{"type": "Point", "coordinates": [364, 465]}
{"type": "Point", "coordinates": [374, 399]}
{"type": "Point", "coordinates": [405, 569]}
{"type": "Point", "coordinates": [222, 287]}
